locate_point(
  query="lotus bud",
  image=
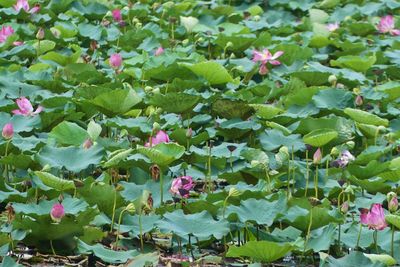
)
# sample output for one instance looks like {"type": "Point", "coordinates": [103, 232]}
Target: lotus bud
{"type": "Point", "coordinates": [115, 60]}
{"type": "Point", "coordinates": [284, 149]}
{"type": "Point", "coordinates": [393, 203]}
{"type": "Point", "coordinates": [332, 79]}
{"type": "Point", "coordinates": [345, 207]}
{"type": "Point", "coordinates": [8, 131]}
{"type": "Point", "coordinates": [317, 156]}
{"type": "Point", "coordinates": [56, 32]}
{"type": "Point", "coordinates": [138, 25]}
{"type": "Point", "coordinates": [350, 144]}
{"type": "Point", "coordinates": [148, 89]}
{"type": "Point", "coordinates": [130, 208]}
{"type": "Point", "coordinates": [57, 212]}
{"type": "Point", "coordinates": [189, 133]}
{"type": "Point", "coordinates": [87, 144]}
{"type": "Point", "coordinates": [359, 100]}
{"type": "Point", "coordinates": [229, 44]}
{"type": "Point", "coordinates": [185, 42]}
{"type": "Point", "coordinates": [156, 127]}
{"type": "Point", "coordinates": [356, 90]}
{"type": "Point", "coordinates": [255, 163]}
{"type": "Point", "coordinates": [334, 151]}
{"type": "Point", "coordinates": [233, 192]}
{"type": "Point", "coordinates": [232, 55]}
{"type": "Point", "coordinates": [40, 34]}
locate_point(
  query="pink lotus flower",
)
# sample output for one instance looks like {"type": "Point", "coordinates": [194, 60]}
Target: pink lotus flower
{"type": "Point", "coordinates": [5, 32]}
{"type": "Point", "coordinates": [332, 26]}
{"type": "Point", "coordinates": [159, 51]}
{"type": "Point", "coordinates": [57, 212]}
{"type": "Point", "coordinates": [22, 4]}
{"type": "Point", "coordinates": [386, 25]}
{"type": "Point", "coordinates": [35, 9]}
{"type": "Point", "coordinates": [87, 144]}
{"type": "Point", "coordinates": [266, 57]}
{"type": "Point", "coordinates": [115, 61]}
{"type": "Point", "coordinates": [18, 43]}
{"type": "Point", "coordinates": [182, 185]}
{"type": "Point", "coordinates": [374, 218]}
{"type": "Point", "coordinates": [25, 108]}
{"type": "Point", "coordinates": [117, 16]}
{"type": "Point", "coordinates": [8, 131]}
{"type": "Point", "coordinates": [161, 137]}
{"type": "Point", "coordinates": [317, 156]}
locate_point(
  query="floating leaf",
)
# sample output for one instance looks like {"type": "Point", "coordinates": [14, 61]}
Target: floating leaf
{"type": "Point", "coordinates": [320, 137]}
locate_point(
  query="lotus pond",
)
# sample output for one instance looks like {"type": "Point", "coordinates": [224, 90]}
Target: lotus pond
{"type": "Point", "coordinates": [199, 133]}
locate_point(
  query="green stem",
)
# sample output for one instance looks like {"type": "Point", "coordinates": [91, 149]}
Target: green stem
{"type": "Point", "coordinates": [268, 179]}
{"type": "Point", "coordinates": [52, 248]}
{"type": "Point", "coordinates": [308, 231]}
{"type": "Point", "coordinates": [375, 235]}
{"type": "Point", "coordinates": [340, 226]}
{"type": "Point", "coordinates": [231, 162]}
{"type": "Point", "coordinates": [358, 237]}
{"type": "Point", "coordinates": [392, 243]}
{"type": "Point", "coordinates": [119, 224]}
{"type": "Point", "coordinates": [141, 231]}
{"type": "Point", "coordinates": [307, 174]}
{"type": "Point", "coordinates": [316, 182]}
{"type": "Point", "coordinates": [6, 165]}
{"type": "Point", "coordinates": [113, 212]}
{"type": "Point", "coordinates": [161, 187]}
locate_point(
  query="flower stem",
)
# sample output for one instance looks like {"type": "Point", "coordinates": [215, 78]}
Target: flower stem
{"type": "Point", "coordinates": [358, 237]}
{"type": "Point", "coordinates": [113, 212]}
{"type": "Point", "coordinates": [161, 187]}
{"type": "Point", "coordinates": [141, 231]}
{"type": "Point", "coordinates": [52, 248]}
{"type": "Point", "coordinates": [316, 182]}
{"type": "Point", "coordinates": [392, 243]}
{"type": "Point", "coordinates": [308, 231]}
{"type": "Point", "coordinates": [6, 165]}
{"type": "Point", "coordinates": [375, 235]}
{"type": "Point", "coordinates": [307, 174]}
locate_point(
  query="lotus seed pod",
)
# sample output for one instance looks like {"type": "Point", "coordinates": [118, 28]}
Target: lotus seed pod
{"type": "Point", "coordinates": [156, 127]}
{"type": "Point", "coordinates": [284, 149]}
{"type": "Point", "coordinates": [335, 151]}
{"type": "Point", "coordinates": [332, 79]}
{"type": "Point", "coordinates": [350, 144]}
{"type": "Point", "coordinates": [229, 44]}
{"type": "Point", "coordinates": [130, 208]}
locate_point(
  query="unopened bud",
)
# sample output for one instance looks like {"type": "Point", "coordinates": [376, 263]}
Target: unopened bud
{"type": "Point", "coordinates": [345, 207]}
{"type": "Point", "coordinates": [40, 34]}
{"type": "Point", "coordinates": [332, 79]}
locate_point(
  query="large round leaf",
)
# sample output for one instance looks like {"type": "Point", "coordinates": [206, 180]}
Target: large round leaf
{"type": "Point", "coordinates": [162, 154]}
{"type": "Point", "coordinates": [117, 101]}
{"type": "Point", "coordinates": [174, 102]}
{"type": "Point", "coordinates": [365, 117]}
{"type": "Point", "coordinates": [55, 182]}
{"type": "Point", "coordinates": [212, 71]}
{"type": "Point", "coordinates": [320, 137]}
{"type": "Point", "coordinates": [260, 251]}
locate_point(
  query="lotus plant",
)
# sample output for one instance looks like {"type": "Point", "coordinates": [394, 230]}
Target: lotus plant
{"type": "Point", "coordinates": [8, 131]}
{"type": "Point", "coordinates": [26, 108]}
{"type": "Point", "coordinates": [24, 4]}
{"type": "Point", "coordinates": [57, 212]}
{"type": "Point", "coordinates": [393, 205]}
{"type": "Point", "coordinates": [5, 32]}
{"type": "Point", "coordinates": [317, 157]}
{"type": "Point", "coordinates": [161, 137]}
{"type": "Point", "coordinates": [332, 26]}
{"type": "Point", "coordinates": [117, 16]}
{"type": "Point", "coordinates": [386, 25]}
{"type": "Point", "coordinates": [115, 61]}
{"type": "Point", "coordinates": [265, 57]}
{"type": "Point", "coordinates": [159, 51]}
{"type": "Point", "coordinates": [375, 219]}
{"type": "Point", "coordinates": [181, 186]}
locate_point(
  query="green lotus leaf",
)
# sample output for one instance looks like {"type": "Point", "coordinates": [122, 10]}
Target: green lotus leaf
{"type": "Point", "coordinates": [55, 182]}
{"type": "Point", "coordinates": [69, 133]}
{"type": "Point", "coordinates": [212, 71]}
{"type": "Point", "coordinates": [175, 102]}
{"type": "Point", "coordinates": [260, 251]}
{"type": "Point", "coordinates": [365, 117]}
{"type": "Point", "coordinates": [320, 137]}
{"type": "Point", "coordinates": [162, 154]}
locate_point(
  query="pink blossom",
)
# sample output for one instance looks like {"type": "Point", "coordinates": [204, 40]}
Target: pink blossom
{"type": "Point", "coordinates": [159, 51]}
{"type": "Point", "coordinates": [182, 185]}
{"type": "Point", "coordinates": [386, 25]}
{"type": "Point", "coordinates": [18, 43]}
{"type": "Point", "coordinates": [115, 61]}
{"type": "Point", "coordinates": [332, 26]}
{"type": "Point", "coordinates": [374, 218]}
{"type": "Point", "coordinates": [161, 137]}
{"type": "Point", "coordinates": [317, 156]}
{"type": "Point", "coordinates": [57, 212]}
{"type": "Point", "coordinates": [8, 131]}
{"type": "Point", "coordinates": [25, 108]}
{"type": "Point", "coordinates": [22, 4]}
{"type": "Point", "coordinates": [35, 9]}
{"type": "Point", "coordinates": [265, 56]}
{"type": "Point", "coordinates": [5, 32]}
{"type": "Point", "coordinates": [117, 16]}
{"type": "Point", "coordinates": [87, 144]}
